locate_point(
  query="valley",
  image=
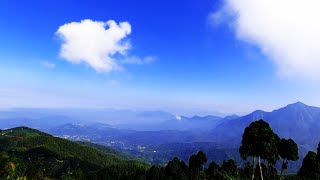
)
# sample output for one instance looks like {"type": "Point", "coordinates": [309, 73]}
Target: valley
{"type": "Point", "coordinates": [218, 137]}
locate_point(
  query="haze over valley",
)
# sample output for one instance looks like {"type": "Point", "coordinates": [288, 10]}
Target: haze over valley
{"type": "Point", "coordinates": [169, 135]}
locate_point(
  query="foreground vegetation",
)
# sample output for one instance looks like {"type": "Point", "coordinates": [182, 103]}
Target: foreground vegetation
{"type": "Point", "coordinates": [259, 143]}
{"type": "Point", "coordinates": [30, 154]}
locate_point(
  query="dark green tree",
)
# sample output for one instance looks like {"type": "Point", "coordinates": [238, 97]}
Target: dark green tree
{"type": "Point", "coordinates": [248, 170]}
{"type": "Point", "coordinates": [260, 141]}
{"type": "Point", "coordinates": [310, 167]}
{"type": "Point", "coordinates": [155, 173]}
{"type": "Point", "coordinates": [176, 169]}
{"type": "Point", "coordinates": [213, 171]}
{"type": "Point", "coordinates": [68, 175]}
{"type": "Point", "coordinates": [229, 169]}
{"type": "Point", "coordinates": [196, 162]}
{"type": "Point", "coordinates": [6, 166]}
{"type": "Point", "coordinates": [318, 153]}
{"type": "Point", "coordinates": [288, 151]}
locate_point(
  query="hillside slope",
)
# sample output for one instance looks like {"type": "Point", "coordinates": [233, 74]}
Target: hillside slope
{"type": "Point", "coordinates": [37, 155]}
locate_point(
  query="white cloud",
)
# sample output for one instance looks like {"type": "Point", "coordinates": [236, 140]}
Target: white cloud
{"type": "Point", "coordinates": [178, 118]}
{"type": "Point", "coordinates": [94, 43]}
{"type": "Point", "coordinates": [287, 31]}
{"type": "Point", "coordinates": [48, 64]}
{"type": "Point", "coordinates": [138, 60]}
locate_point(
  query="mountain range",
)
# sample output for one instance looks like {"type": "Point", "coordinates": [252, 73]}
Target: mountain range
{"type": "Point", "coordinates": [173, 135]}
{"type": "Point", "coordinates": [297, 121]}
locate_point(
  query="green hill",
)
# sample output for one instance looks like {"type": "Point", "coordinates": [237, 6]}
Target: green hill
{"type": "Point", "coordinates": [115, 152]}
{"type": "Point", "coordinates": [26, 152]}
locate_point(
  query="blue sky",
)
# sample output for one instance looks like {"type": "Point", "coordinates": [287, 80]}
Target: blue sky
{"type": "Point", "coordinates": [186, 57]}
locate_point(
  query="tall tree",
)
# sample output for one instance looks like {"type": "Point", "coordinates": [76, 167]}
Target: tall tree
{"type": "Point", "coordinates": [176, 170]}
{"type": "Point", "coordinates": [310, 167]}
{"type": "Point", "coordinates": [213, 171]}
{"type": "Point", "coordinates": [259, 140]}
{"type": "Point", "coordinates": [196, 162]}
{"type": "Point", "coordinates": [155, 173]}
{"type": "Point", "coordinates": [288, 151]}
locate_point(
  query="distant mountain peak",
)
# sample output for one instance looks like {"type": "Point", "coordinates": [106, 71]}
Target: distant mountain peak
{"type": "Point", "coordinates": [231, 117]}
{"type": "Point", "coordinates": [207, 117]}
{"type": "Point", "coordinates": [296, 105]}
{"type": "Point", "coordinates": [196, 117]}
{"type": "Point", "coordinates": [258, 112]}
{"type": "Point", "coordinates": [299, 103]}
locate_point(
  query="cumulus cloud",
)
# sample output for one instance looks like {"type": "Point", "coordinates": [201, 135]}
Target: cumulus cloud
{"type": "Point", "coordinates": [94, 43]}
{"type": "Point", "coordinates": [287, 31]}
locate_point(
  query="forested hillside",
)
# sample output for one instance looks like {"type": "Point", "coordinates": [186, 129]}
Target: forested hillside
{"type": "Point", "coordinates": [33, 154]}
